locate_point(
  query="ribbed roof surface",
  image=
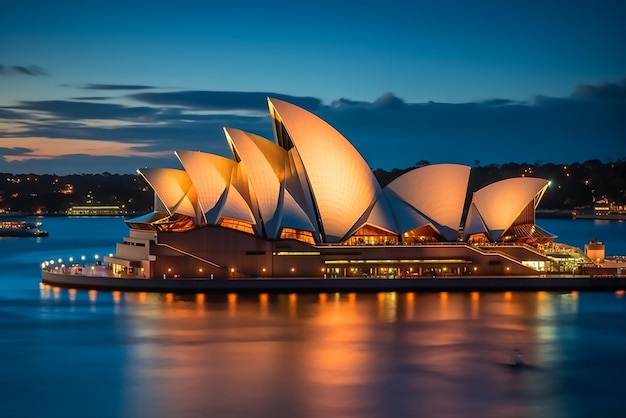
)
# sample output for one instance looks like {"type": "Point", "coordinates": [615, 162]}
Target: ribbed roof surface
{"type": "Point", "coordinates": [264, 163]}
{"type": "Point", "coordinates": [438, 192]}
{"type": "Point", "coordinates": [174, 189]}
{"type": "Point", "coordinates": [342, 183]}
{"type": "Point", "coordinates": [313, 179]}
{"type": "Point", "coordinates": [213, 177]}
{"type": "Point", "coordinates": [500, 203]}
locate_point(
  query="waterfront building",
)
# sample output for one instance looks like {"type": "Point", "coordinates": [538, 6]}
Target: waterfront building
{"type": "Point", "coordinates": [306, 204]}
{"type": "Point", "coordinates": [17, 224]}
{"type": "Point", "coordinates": [595, 250]}
{"type": "Point", "coordinates": [94, 210]}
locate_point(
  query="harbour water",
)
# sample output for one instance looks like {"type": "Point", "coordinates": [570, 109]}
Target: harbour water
{"type": "Point", "coordinates": [79, 353]}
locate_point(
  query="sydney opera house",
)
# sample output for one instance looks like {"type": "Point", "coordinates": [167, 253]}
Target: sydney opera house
{"type": "Point", "coordinates": [307, 204]}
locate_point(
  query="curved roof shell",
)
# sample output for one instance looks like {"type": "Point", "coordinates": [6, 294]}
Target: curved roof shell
{"type": "Point", "coordinates": [213, 177]}
{"type": "Point", "coordinates": [311, 178]}
{"type": "Point", "coordinates": [382, 214]}
{"type": "Point", "coordinates": [264, 164]}
{"type": "Point", "coordinates": [342, 184]}
{"type": "Point", "coordinates": [437, 192]}
{"type": "Point", "coordinates": [500, 203]}
{"type": "Point", "coordinates": [174, 189]}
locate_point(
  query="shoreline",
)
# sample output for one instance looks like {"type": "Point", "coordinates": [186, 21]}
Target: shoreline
{"type": "Point", "coordinates": [319, 285]}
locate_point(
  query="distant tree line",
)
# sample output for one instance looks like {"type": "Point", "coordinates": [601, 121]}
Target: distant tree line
{"type": "Point", "coordinates": [575, 185]}
{"type": "Point", "coordinates": [52, 194]}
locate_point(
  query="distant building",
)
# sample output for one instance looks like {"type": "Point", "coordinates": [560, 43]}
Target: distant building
{"type": "Point", "coordinates": [307, 204]}
{"type": "Point", "coordinates": [595, 250]}
{"type": "Point", "coordinates": [94, 210]}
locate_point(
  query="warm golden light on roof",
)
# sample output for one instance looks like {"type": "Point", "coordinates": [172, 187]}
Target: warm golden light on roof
{"type": "Point", "coordinates": [310, 184]}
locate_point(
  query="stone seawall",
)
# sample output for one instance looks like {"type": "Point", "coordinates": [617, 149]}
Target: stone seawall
{"type": "Point", "coordinates": [313, 285]}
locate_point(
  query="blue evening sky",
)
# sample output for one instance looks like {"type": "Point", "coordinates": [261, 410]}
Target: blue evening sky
{"type": "Point", "coordinates": [93, 86]}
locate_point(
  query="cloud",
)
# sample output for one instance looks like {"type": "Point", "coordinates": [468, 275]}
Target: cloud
{"type": "Point", "coordinates": [31, 70]}
{"type": "Point", "coordinates": [499, 102]}
{"type": "Point", "coordinates": [34, 148]}
{"type": "Point", "coordinates": [116, 87]}
{"type": "Point", "coordinates": [86, 110]}
{"type": "Point", "coordinates": [389, 132]}
{"type": "Point", "coordinates": [344, 103]}
{"type": "Point", "coordinates": [87, 164]}
{"type": "Point", "coordinates": [567, 130]}
{"type": "Point", "coordinates": [389, 102]}
{"type": "Point", "coordinates": [603, 91]}
{"type": "Point", "coordinates": [9, 114]}
{"type": "Point", "coordinates": [91, 98]}
{"type": "Point", "coordinates": [4, 151]}
{"type": "Point", "coordinates": [222, 100]}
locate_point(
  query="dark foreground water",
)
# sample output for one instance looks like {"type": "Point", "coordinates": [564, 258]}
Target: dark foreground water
{"type": "Point", "coordinates": [77, 353]}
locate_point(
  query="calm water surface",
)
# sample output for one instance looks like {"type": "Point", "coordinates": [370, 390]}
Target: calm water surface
{"type": "Point", "coordinates": [77, 353]}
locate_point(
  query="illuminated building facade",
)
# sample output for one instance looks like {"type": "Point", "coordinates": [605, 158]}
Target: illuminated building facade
{"type": "Point", "coordinates": [306, 204]}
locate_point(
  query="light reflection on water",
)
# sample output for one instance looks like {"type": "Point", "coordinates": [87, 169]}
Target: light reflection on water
{"type": "Point", "coordinates": [356, 355]}
{"type": "Point", "coordinates": [86, 353]}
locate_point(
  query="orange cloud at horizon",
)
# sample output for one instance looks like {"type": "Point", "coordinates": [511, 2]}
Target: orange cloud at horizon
{"type": "Point", "coordinates": [37, 148]}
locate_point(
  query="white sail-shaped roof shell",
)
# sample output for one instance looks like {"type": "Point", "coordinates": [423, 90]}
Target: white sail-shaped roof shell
{"type": "Point", "coordinates": [382, 215]}
{"type": "Point", "coordinates": [264, 164]}
{"type": "Point", "coordinates": [406, 216]}
{"type": "Point", "coordinates": [174, 189]}
{"type": "Point", "coordinates": [293, 216]}
{"type": "Point", "coordinates": [474, 223]}
{"type": "Point", "coordinates": [213, 177]}
{"type": "Point", "coordinates": [311, 178]}
{"type": "Point", "coordinates": [438, 192]}
{"type": "Point", "coordinates": [342, 184]}
{"type": "Point", "coordinates": [297, 186]}
{"type": "Point", "coordinates": [499, 204]}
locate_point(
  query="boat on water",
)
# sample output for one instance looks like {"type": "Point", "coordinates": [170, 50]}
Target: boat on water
{"type": "Point", "coordinates": [17, 225]}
